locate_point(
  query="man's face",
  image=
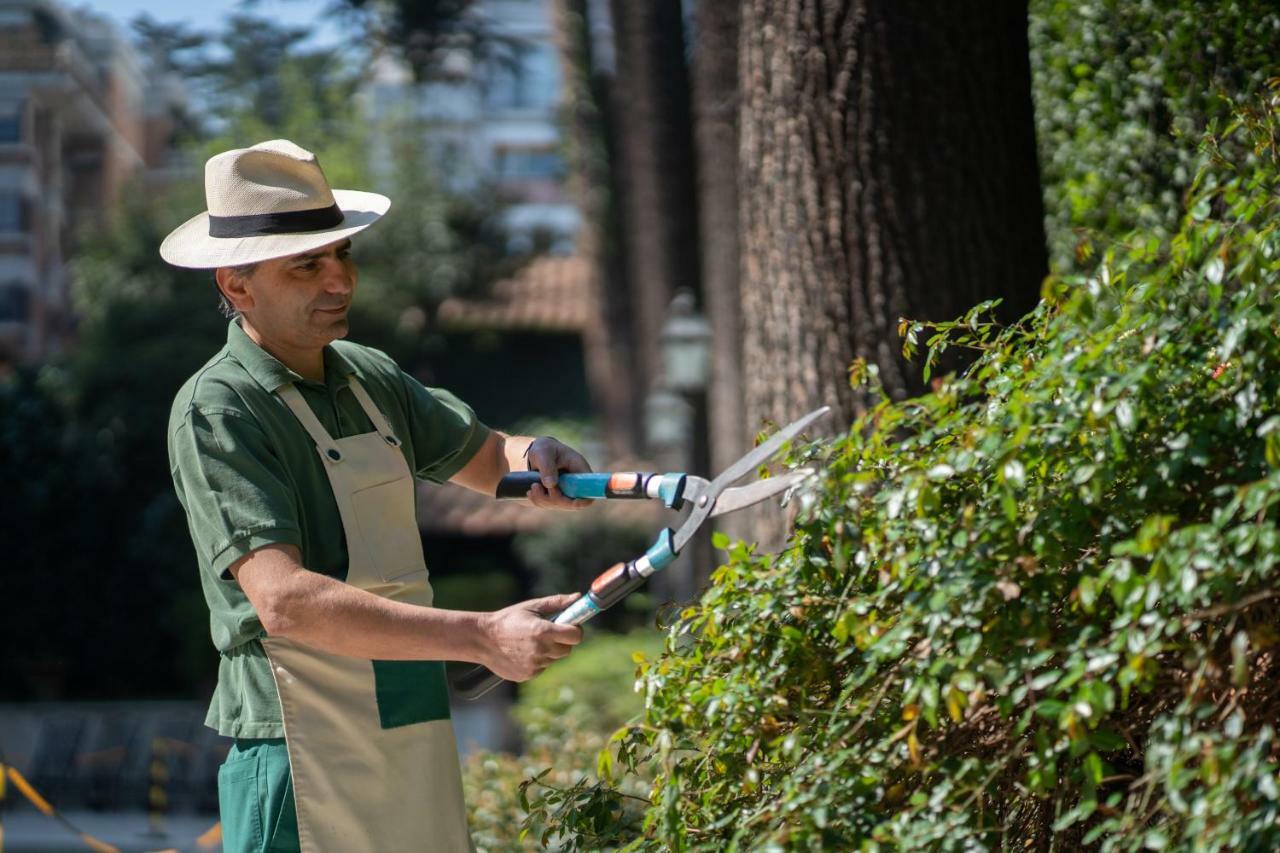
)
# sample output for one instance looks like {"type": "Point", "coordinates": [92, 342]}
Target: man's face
{"type": "Point", "coordinates": [301, 301]}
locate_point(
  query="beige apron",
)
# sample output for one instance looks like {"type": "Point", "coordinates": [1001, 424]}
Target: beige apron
{"type": "Point", "coordinates": [371, 746]}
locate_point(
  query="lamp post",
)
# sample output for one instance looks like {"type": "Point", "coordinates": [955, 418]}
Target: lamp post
{"type": "Point", "coordinates": [676, 420]}
{"type": "Point", "coordinates": [686, 346]}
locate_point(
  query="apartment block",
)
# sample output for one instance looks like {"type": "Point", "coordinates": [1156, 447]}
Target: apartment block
{"type": "Point", "coordinates": [77, 122]}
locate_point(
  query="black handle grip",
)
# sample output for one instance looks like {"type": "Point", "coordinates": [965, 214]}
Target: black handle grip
{"type": "Point", "coordinates": [517, 484]}
{"type": "Point", "coordinates": [476, 682]}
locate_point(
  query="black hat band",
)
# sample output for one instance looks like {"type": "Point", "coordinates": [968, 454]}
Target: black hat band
{"type": "Point", "coordinates": [289, 222]}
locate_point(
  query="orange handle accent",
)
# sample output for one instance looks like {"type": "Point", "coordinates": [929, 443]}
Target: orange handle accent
{"type": "Point", "coordinates": [608, 576]}
{"type": "Point", "coordinates": [624, 481]}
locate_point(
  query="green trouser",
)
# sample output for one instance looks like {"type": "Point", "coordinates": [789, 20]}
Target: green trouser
{"type": "Point", "coordinates": [255, 797]}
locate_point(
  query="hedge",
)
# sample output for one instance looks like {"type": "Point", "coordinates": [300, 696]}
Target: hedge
{"type": "Point", "coordinates": [1036, 607]}
{"type": "Point", "coordinates": [1123, 88]}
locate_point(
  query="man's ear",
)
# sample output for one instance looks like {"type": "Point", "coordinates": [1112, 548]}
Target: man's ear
{"type": "Point", "coordinates": [234, 288]}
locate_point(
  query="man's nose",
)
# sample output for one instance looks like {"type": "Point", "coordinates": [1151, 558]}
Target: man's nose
{"type": "Point", "coordinates": [338, 278]}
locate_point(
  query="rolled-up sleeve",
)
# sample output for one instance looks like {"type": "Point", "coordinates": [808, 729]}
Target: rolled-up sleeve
{"type": "Point", "coordinates": [445, 432]}
{"type": "Point", "coordinates": [235, 489]}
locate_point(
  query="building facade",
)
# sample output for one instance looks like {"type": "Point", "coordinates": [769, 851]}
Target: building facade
{"type": "Point", "coordinates": [77, 122]}
{"type": "Point", "coordinates": [492, 119]}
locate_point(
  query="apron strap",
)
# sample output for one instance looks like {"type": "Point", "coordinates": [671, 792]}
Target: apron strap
{"type": "Point", "coordinates": [293, 399]}
{"type": "Point", "coordinates": [375, 414]}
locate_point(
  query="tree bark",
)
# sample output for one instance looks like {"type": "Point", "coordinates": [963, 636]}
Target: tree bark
{"type": "Point", "coordinates": [716, 103]}
{"type": "Point", "coordinates": [609, 343]}
{"type": "Point", "coordinates": [888, 170]}
{"type": "Point", "coordinates": [715, 99]}
{"type": "Point", "coordinates": [651, 104]}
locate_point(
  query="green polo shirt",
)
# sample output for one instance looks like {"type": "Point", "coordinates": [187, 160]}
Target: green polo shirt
{"type": "Point", "coordinates": [248, 475]}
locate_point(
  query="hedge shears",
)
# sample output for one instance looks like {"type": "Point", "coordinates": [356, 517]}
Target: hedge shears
{"type": "Point", "coordinates": [676, 491]}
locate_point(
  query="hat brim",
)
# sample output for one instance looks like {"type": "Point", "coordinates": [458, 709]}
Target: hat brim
{"type": "Point", "coordinates": [189, 245]}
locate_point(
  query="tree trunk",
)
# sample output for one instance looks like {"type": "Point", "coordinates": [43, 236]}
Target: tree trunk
{"type": "Point", "coordinates": [888, 170]}
{"type": "Point", "coordinates": [609, 344]}
{"type": "Point", "coordinates": [715, 98]}
{"type": "Point", "coordinates": [651, 100]}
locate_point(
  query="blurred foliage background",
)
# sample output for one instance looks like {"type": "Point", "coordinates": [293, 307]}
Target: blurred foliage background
{"type": "Point", "coordinates": [1123, 91]}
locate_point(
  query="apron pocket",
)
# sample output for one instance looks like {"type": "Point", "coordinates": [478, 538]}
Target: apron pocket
{"type": "Point", "coordinates": [410, 691]}
{"type": "Point", "coordinates": [238, 803]}
{"type": "Point", "coordinates": [389, 528]}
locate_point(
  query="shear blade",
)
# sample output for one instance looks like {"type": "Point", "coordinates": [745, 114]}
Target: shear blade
{"type": "Point", "coordinates": [734, 499]}
{"type": "Point", "coordinates": [716, 489]}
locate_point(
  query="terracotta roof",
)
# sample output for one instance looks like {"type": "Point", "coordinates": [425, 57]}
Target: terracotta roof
{"type": "Point", "coordinates": [550, 294]}
{"type": "Point", "coordinates": [453, 510]}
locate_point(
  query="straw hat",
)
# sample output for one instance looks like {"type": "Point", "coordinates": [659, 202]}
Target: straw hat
{"type": "Point", "coordinates": [267, 201]}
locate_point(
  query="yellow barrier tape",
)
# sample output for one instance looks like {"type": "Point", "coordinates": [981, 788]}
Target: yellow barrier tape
{"type": "Point", "coordinates": [29, 792]}
{"type": "Point", "coordinates": [209, 838]}
{"type": "Point", "coordinates": [100, 846]}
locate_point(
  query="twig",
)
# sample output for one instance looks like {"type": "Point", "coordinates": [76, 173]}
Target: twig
{"type": "Point", "coordinates": [1230, 607]}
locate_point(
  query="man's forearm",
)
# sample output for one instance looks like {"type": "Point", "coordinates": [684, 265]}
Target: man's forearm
{"type": "Point", "coordinates": [335, 617]}
{"type": "Point", "coordinates": [499, 455]}
{"type": "Point", "coordinates": [514, 449]}
{"type": "Point", "coordinates": [516, 642]}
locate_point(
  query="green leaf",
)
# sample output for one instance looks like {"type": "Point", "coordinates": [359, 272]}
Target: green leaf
{"type": "Point", "coordinates": [1093, 768]}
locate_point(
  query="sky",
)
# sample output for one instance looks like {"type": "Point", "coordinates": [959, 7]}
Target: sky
{"type": "Point", "coordinates": [209, 14]}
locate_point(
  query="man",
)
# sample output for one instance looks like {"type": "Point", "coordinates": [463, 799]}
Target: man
{"type": "Point", "coordinates": [294, 454]}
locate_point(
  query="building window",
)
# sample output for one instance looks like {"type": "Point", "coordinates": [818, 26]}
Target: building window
{"type": "Point", "coordinates": [13, 212]}
{"type": "Point", "coordinates": [526, 77]}
{"type": "Point", "coordinates": [10, 128]}
{"type": "Point", "coordinates": [14, 298]}
{"type": "Point", "coordinates": [528, 164]}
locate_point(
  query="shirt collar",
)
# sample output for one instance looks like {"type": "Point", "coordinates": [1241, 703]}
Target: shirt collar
{"type": "Point", "coordinates": [270, 372]}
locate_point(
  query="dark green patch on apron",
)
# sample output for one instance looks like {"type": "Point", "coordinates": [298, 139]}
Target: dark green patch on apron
{"type": "Point", "coordinates": [410, 691]}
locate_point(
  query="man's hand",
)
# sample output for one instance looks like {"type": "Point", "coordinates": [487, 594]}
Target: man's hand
{"type": "Point", "coordinates": [550, 458]}
{"type": "Point", "coordinates": [502, 453]}
{"type": "Point", "coordinates": [522, 643]}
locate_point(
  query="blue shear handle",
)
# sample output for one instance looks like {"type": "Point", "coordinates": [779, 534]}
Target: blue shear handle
{"type": "Point", "coordinates": [618, 484]}
{"type": "Point", "coordinates": [610, 587]}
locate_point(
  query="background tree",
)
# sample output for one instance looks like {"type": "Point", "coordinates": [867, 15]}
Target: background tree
{"type": "Point", "coordinates": [888, 170]}
{"type": "Point", "coordinates": [263, 70]}
{"type": "Point", "coordinates": [591, 147]}
{"type": "Point", "coordinates": [715, 112]}
{"type": "Point", "coordinates": [656, 163]}
{"type": "Point", "coordinates": [421, 32]}
{"type": "Point", "coordinates": [174, 51]}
